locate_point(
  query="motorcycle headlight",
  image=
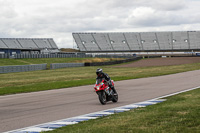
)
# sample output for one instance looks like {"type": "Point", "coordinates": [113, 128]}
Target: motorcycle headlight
{"type": "Point", "coordinates": [97, 87]}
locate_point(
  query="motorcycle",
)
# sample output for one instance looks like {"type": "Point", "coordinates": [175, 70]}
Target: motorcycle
{"type": "Point", "coordinates": [104, 92]}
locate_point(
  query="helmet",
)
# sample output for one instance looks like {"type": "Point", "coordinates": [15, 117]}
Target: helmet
{"type": "Point", "coordinates": [99, 71]}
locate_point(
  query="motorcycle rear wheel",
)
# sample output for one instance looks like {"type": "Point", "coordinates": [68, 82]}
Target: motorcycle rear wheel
{"type": "Point", "coordinates": [102, 97]}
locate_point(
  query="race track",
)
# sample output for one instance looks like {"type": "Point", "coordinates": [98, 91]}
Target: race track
{"type": "Point", "coordinates": [22, 110]}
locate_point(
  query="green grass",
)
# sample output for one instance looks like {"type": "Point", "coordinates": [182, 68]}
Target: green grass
{"type": "Point", "coordinates": [179, 114]}
{"type": "Point", "coordinates": [12, 83]}
{"type": "Point", "coordinates": [7, 62]}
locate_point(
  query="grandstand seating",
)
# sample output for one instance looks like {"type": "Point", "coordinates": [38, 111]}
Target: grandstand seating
{"type": "Point", "coordinates": [194, 40]}
{"type": "Point", "coordinates": [164, 40]}
{"type": "Point", "coordinates": [149, 41]}
{"type": "Point", "coordinates": [138, 41]}
{"type": "Point", "coordinates": [179, 40]}
{"type": "Point", "coordinates": [11, 43]}
{"type": "Point", "coordinates": [53, 44]}
{"type": "Point", "coordinates": [78, 41]}
{"type": "Point", "coordinates": [118, 42]}
{"type": "Point", "coordinates": [42, 43]}
{"type": "Point", "coordinates": [29, 44]}
{"type": "Point", "coordinates": [2, 44]}
{"type": "Point", "coordinates": [134, 41]}
{"type": "Point", "coordinates": [103, 41]}
{"type": "Point", "coordinates": [24, 43]}
{"type": "Point", "coordinates": [89, 42]}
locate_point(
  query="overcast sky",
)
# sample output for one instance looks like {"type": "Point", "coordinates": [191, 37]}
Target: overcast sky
{"type": "Point", "coordinates": [57, 19]}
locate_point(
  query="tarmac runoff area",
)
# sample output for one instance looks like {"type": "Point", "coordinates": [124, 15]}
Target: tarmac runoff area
{"type": "Point", "coordinates": [25, 110]}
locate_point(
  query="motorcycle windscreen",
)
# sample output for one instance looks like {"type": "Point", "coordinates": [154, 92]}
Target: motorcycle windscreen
{"type": "Point", "coordinates": [98, 80]}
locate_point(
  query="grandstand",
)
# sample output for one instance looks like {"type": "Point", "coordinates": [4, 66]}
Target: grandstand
{"type": "Point", "coordinates": [27, 45]}
{"type": "Point", "coordinates": [138, 41]}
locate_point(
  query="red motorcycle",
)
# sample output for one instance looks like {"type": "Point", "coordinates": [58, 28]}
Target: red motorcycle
{"type": "Point", "coordinates": [104, 92]}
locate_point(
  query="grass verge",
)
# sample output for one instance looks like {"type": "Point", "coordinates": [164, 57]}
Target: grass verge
{"type": "Point", "coordinates": [12, 83]}
{"type": "Point", "coordinates": [7, 62]}
{"type": "Point", "coordinates": [180, 113]}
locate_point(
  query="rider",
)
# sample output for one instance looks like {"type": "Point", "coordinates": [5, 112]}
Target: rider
{"type": "Point", "coordinates": [101, 74]}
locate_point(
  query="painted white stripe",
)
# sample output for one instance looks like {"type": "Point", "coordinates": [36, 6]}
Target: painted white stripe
{"type": "Point", "coordinates": [103, 113]}
{"type": "Point", "coordinates": [138, 106]}
{"type": "Point", "coordinates": [157, 100]}
{"type": "Point", "coordinates": [36, 129]}
{"type": "Point", "coordinates": [133, 105]}
{"type": "Point", "coordinates": [117, 110]}
{"type": "Point", "coordinates": [146, 102]}
{"type": "Point", "coordinates": [120, 109]}
{"type": "Point", "coordinates": [63, 123]}
{"type": "Point", "coordinates": [85, 117]}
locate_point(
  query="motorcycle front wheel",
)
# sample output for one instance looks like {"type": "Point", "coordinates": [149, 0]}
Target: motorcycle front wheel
{"type": "Point", "coordinates": [115, 98]}
{"type": "Point", "coordinates": [102, 97]}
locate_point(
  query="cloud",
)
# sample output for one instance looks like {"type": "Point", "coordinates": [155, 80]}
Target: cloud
{"type": "Point", "coordinates": [166, 5]}
{"type": "Point", "coordinates": [58, 19]}
{"type": "Point", "coordinates": [146, 16]}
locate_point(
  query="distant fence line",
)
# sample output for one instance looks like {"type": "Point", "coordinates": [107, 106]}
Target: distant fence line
{"type": "Point", "coordinates": [22, 68]}
{"type": "Point", "coordinates": [64, 65]}
{"type": "Point", "coordinates": [63, 55]}
{"type": "Point", "coordinates": [22, 56]}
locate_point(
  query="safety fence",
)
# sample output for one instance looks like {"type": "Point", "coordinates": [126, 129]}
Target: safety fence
{"type": "Point", "coordinates": [23, 56]}
{"type": "Point", "coordinates": [4, 56]}
{"type": "Point", "coordinates": [65, 65]}
{"type": "Point", "coordinates": [62, 55]}
{"type": "Point", "coordinates": [22, 68]}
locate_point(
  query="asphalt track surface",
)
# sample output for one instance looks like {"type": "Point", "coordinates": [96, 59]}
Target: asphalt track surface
{"type": "Point", "coordinates": [23, 110]}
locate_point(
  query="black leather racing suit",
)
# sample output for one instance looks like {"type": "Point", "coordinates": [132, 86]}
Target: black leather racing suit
{"type": "Point", "coordinates": [107, 78]}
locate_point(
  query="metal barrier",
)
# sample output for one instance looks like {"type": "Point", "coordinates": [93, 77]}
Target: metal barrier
{"type": "Point", "coordinates": [21, 56]}
{"type": "Point", "coordinates": [22, 68]}
{"type": "Point", "coordinates": [4, 56]}
{"type": "Point", "coordinates": [63, 55]}
{"type": "Point", "coordinates": [64, 65]}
